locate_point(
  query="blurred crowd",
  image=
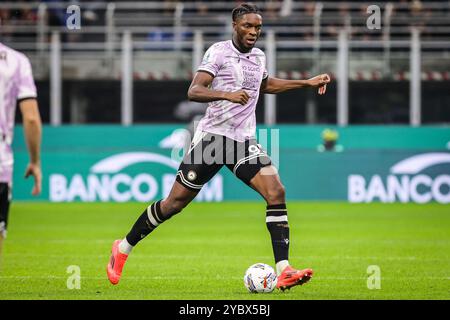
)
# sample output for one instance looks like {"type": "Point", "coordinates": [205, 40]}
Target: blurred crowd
{"type": "Point", "coordinates": [410, 12]}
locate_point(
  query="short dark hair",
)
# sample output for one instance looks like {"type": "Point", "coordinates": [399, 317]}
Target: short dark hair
{"type": "Point", "coordinates": [244, 8]}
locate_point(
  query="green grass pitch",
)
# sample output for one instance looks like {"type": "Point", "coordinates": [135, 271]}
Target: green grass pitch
{"type": "Point", "coordinates": [202, 253]}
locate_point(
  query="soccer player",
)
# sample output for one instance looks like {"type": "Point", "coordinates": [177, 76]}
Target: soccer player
{"type": "Point", "coordinates": [229, 79]}
{"type": "Point", "coordinates": [17, 87]}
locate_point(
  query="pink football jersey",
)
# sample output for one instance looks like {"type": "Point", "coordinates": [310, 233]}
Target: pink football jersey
{"type": "Point", "coordinates": [233, 70]}
{"type": "Point", "coordinates": [16, 83]}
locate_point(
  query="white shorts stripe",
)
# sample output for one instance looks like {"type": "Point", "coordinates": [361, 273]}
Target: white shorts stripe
{"type": "Point", "coordinates": [245, 159]}
{"type": "Point", "coordinates": [276, 219]}
{"type": "Point", "coordinates": [189, 184]}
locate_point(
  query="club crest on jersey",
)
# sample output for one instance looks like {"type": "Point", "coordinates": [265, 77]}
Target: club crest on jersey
{"type": "Point", "coordinates": [2, 55]}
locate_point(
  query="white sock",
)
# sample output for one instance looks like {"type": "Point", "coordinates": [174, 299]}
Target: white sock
{"type": "Point", "coordinates": [281, 265]}
{"type": "Point", "coordinates": [125, 247]}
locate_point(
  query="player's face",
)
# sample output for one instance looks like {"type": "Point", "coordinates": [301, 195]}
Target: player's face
{"type": "Point", "coordinates": [247, 30]}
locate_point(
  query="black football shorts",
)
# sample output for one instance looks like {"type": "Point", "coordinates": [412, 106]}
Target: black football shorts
{"type": "Point", "coordinates": [5, 199]}
{"type": "Point", "coordinates": [209, 152]}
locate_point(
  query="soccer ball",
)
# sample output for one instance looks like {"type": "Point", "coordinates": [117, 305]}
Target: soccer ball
{"type": "Point", "coordinates": [260, 278]}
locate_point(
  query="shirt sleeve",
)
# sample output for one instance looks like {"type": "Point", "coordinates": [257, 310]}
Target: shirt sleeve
{"type": "Point", "coordinates": [265, 73]}
{"type": "Point", "coordinates": [212, 61]}
{"type": "Point", "coordinates": [25, 85]}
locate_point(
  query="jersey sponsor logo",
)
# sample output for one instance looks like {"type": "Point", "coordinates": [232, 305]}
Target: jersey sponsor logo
{"type": "Point", "coordinates": [126, 177]}
{"type": "Point", "coordinates": [410, 180]}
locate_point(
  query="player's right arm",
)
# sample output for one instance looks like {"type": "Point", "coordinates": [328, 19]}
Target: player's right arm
{"type": "Point", "coordinates": [32, 126]}
{"type": "Point", "coordinates": [199, 91]}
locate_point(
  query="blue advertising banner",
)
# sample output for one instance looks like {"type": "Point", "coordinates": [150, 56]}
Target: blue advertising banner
{"type": "Point", "coordinates": [139, 163]}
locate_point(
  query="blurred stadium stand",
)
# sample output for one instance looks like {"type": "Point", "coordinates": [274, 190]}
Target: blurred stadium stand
{"type": "Point", "coordinates": [163, 41]}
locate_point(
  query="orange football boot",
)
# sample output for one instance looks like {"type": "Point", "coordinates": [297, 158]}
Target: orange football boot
{"type": "Point", "coordinates": [116, 263]}
{"type": "Point", "coordinates": [291, 277]}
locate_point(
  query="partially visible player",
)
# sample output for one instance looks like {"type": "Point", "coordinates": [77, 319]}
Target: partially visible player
{"type": "Point", "coordinates": [229, 79]}
{"type": "Point", "coordinates": [17, 87]}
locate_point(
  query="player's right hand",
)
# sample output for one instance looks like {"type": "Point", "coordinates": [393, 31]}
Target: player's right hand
{"type": "Point", "coordinates": [240, 96]}
{"type": "Point", "coordinates": [35, 171]}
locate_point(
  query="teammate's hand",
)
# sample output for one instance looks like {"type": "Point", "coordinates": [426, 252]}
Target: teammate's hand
{"type": "Point", "coordinates": [321, 82]}
{"type": "Point", "coordinates": [35, 171]}
{"type": "Point", "coordinates": [240, 96]}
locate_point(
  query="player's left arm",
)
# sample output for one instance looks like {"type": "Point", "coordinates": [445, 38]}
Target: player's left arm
{"type": "Point", "coordinates": [32, 124]}
{"type": "Point", "coordinates": [276, 85]}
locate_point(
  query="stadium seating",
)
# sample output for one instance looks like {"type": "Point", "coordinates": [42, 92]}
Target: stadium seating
{"type": "Point", "coordinates": [170, 26]}
{"type": "Point", "coordinates": [163, 33]}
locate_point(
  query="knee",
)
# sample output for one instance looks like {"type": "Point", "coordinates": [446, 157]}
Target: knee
{"type": "Point", "coordinates": [276, 195]}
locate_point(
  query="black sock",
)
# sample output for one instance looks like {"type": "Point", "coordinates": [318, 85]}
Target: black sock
{"type": "Point", "coordinates": [276, 221]}
{"type": "Point", "coordinates": [146, 223]}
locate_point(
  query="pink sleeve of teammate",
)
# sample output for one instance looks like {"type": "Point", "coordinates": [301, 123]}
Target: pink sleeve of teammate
{"type": "Point", "coordinates": [212, 60]}
{"type": "Point", "coordinates": [25, 85]}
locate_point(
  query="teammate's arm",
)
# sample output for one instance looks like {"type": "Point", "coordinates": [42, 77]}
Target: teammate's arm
{"type": "Point", "coordinates": [275, 85]}
{"type": "Point", "coordinates": [33, 130]}
{"type": "Point", "coordinates": [199, 91]}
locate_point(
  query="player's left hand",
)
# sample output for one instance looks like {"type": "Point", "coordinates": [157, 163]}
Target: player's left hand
{"type": "Point", "coordinates": [35, 171]}
{"type": "Point", "coordinates": [320, 81]}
